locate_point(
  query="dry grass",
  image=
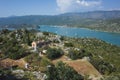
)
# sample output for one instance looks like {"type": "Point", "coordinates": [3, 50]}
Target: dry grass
{"type": "Point", "coordinates": [81, 66]}
{"type": "Point", "coordinates": [6, 63]}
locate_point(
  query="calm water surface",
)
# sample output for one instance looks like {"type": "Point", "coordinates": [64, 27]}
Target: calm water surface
{"type": "Point", "coordinates": [113, 38]}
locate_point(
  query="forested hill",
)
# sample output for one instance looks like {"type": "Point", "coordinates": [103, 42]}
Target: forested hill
{"type": "Point", "coordinates": [100, 20]}
{"type": "Point", "coordinates": [94, 15]}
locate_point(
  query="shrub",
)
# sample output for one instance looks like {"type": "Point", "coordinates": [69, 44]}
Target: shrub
{"type": "Point", "coordinates": [44, 62]}
{"type": "Point", "coordinates": [46, 33]}
{"type": "Point", "coordinates": [68, 44]}
{"type": "Point", "coordinates": [102, 66]}
{"type": "Point", "coordinates": [53, 53]}
{"type": "Point", "coordinates": [62, 72]}
{"type": "Point", "coordinates": [78, 54]}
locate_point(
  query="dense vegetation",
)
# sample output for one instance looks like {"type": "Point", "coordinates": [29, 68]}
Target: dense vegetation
{"type": "Point", "coordinates": [37, 63]}
{"type": "Point", "coordinates": [7, 75]}
{"type": "Point", "coordinates": [104, 56]}
{"type": "Point", "coordinates": [62, 72]}
{"type": "Point", "coordinates": [11, 43]}
{"type": "Point", "coordinates": [53, 53]}
{"type": "Point", "coordinates": [68, 44]}
{"type": "Point", "coordinates": [78, 54]}
{"type": "Point", "coordinates": [102, 66]}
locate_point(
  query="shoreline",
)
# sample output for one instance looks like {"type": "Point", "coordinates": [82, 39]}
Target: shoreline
{"type": "Point", "coordinates": [89, 30]}
{"type": "Point", "coordinates": [81, 28]}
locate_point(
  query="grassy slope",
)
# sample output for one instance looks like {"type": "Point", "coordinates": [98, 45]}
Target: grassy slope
{"type": "Point", "coordinates": [81, 66]}
{"type": "Point", "coordinates": [108, 52]}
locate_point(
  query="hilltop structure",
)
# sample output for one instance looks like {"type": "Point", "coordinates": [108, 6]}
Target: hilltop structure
{"type": "Point", "coordinates": [34, 45]}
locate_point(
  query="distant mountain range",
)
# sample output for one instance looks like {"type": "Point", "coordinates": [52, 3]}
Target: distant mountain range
{"type": "Point", "coordinates": [93, 20]}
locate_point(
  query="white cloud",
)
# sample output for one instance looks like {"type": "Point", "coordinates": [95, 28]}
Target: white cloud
{"type": "Point", "coordinates": [63, 5]}
{"type": "Point", "coordinates": [88, 3]}
{"type": "Point", "coordinates": [75, 5]}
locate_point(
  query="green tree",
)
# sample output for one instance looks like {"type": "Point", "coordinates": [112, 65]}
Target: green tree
{"type": "Point", "coordinates": [78, 54]}
{"type": "Point", "coordinates": [52, 73]}
{"type": "Point", "coordinates": [53, 53]}
{"type": "Point", "coordinates": [62, 72]}
{"type": "Point", "coordinates": [68, 45]}
{"type": "Point", "coordinates": [102, 66]}
{"type": "Point", "coordinates": [46, 33]}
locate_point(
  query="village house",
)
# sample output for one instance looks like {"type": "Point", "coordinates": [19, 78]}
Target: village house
{"type": "Point", "coordinates": [34, 45]}
{"type": "Point", "coordinates": [38, 44]}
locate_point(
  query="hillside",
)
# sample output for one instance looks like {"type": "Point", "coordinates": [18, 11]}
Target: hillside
{"type": "Point", "coordinates": [99, 20]}
{"type": "Point", "coordinates": [81, 57]}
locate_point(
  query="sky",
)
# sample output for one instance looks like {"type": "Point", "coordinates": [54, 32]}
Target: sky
{"type": "Point", "coordinates": [54, 7]}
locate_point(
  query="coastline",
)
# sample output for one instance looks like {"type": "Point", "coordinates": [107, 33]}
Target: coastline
{"type": "Point", "coordinates": [64, 26]}
{"type": "Point", "coordinates": [94, 29]}
{"type": "Point", "coordinates": [102, 35]}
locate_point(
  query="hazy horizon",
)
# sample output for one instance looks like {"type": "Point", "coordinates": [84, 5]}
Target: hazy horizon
{"type": "Point", "coordinates": [54, 7]}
